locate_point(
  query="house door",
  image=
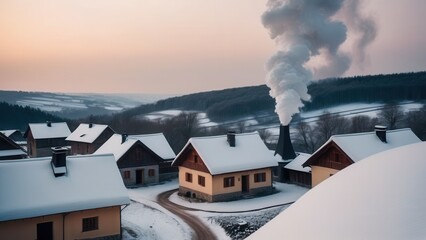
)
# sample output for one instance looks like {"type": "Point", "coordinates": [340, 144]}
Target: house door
{"type": "Point", "coordinates": [45, 231]}
{"type": "Point", "coordinates": [245, 183]}
{"type": "Point", "coordinates": [139, 176]}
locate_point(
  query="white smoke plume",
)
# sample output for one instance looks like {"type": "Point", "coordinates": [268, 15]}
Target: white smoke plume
{"type": "Point", "coordinates": [304, 29]}
{"type": "Point", "coordinates": [363, 27]}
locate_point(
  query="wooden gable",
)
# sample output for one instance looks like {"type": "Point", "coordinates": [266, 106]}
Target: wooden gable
{"type": "Point", "coordinates": [7, 144]}
{"type": "Point", "coordinates": [329, 156]}
{"type": "Point", "coordinates": [138, 155]}
{"type": "Point", "coordinates": [192, 160]}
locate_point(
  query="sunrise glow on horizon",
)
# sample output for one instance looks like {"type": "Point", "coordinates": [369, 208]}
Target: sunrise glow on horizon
{"type": "Point", "coordinates": [157, 46]}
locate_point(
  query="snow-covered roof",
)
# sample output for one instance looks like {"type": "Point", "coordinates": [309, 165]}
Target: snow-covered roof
{"type": "Point", "coordinates": [156, 142]}
{"type": "Point", "coordinates": [86, 133]}
{"type": "Point", "coordinates": [250, 152]}
{"type": "Point", "coordinates": [361, 145]}
{"type": "Point", "coordinates": [297, 163]}
{"type": "Point", "coordinates": [43, 131]}
{"type": "Point", "coordinates": [28, 188]}
{"type": "Point", "coordinates": [113, 145]}
{"type": "Point", "coordinates": [12, 152]}
{"type": "Point", "coordinates": [7, 133]}
{"type": "Point", "coordinates": [376, 198]}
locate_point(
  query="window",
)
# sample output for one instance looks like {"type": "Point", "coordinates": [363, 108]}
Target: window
{"type": "Point", "coordinates": [259, 177]}
{"type": "Point", "coordinates": [151, 172]}
{"type": "Point", "coordinates": [126, 174]}
{"type": "Point", "coordinates": [228, 182]}
{"type": "Point", "coordinates": [188, 177]}
{"type": "Point", "coordinates": [195, 159]}
{"type": "Point", "coordinates": [201, 181]}
{"type": "Point", "coordinates": [90, 224]}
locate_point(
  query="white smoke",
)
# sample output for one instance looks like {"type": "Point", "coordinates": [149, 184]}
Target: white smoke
{"type": "Point", "coordinates": [304, 29]}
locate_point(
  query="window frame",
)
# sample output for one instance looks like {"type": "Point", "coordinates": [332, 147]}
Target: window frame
{"type": "Point", "coordinates": [260, 177]}
{"type": "Point", "coordinates": [228, 182]}
{"type": "Point", "coordinates": [188, 177]}
{"type": "Point", "coordinates": [90, 224]}
{"type": "Point", "coordinates": [151, 172]}
{"type": "Point", "coordinates": [126, 174]}
{"type": "Point", "coordinates": [201, 180]}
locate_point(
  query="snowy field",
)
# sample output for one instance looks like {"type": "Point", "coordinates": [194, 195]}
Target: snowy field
{"type": "Point", "coordinates": [144, 218]}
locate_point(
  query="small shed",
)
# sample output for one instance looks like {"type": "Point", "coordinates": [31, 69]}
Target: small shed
{"type": "Point", "coordinates": [41, 137]}
{"type": "Point", "coordinates": [88, 137]}
{"type": "Point", "coordinates": [297, 173]}
{"type": "Point", "coordinates": [10, 149]}
{"type": "Point", "coordinates": [139, 156]}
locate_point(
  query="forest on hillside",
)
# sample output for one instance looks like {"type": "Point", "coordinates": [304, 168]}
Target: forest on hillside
{"type": "Point", "coordinates": [18, 117]}
{"type": "Point", "coordinates": [247, 101]}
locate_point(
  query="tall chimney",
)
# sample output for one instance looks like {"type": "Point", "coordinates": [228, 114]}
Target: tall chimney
{"type": "Point", "coordinates": [381, 132]}
{"type": "Point", "coordinates": [90, 125]}
{"type": "Point", "coordinates": [49, 123]}
{"type": "Point", "coordinates": [284, 145]}
{"type": "Point", "coordinates": [59, 160]}
{"type": "Point", "coordinates": [123, 138]}
{"type": "Point", "coordinates": [231, 138]}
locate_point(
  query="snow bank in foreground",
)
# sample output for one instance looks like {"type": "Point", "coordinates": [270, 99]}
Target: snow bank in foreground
{"type": "Point", "coordinates": [380, 197]}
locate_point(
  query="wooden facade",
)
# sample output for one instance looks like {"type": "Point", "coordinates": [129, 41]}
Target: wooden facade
{"type": "Point", "coordinates": [326, 162]}
{"type": "Point", "coordinates": [139, 165]}
{"type": "Point", "coordinates": [89, 148]}
{"type": "Point", "coordinates": [300, 178]}
{"type": "Point", "coordinates": [194, 161]}
{"type": "Point", "coordinates": [42, 147]}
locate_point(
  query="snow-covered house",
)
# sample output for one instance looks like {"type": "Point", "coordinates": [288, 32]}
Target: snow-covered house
{"type": "Point", "coordinates": [221, 168]}
{"type": "Point", "coordinates": [139, 156]}
{"type": "Point", "coordinates": [298, 174]}
{"type": "Point", "coordinates": [343, 150]}
{"type": "Point", "coordinates": [41, 137]}
{"type": "Point", "coordinates": [10, 149]}
{"type": "Point", "coordinates": [16, 136]}
{"type": "Point", "coordinates": [87, 138]}
{"type": "Point", "coordinates": [60, 197]}
{"type": "Point", "coordinates": [380, 197]}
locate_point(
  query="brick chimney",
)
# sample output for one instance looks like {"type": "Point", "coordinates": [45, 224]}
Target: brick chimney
{"type": "Point", "coordinates": [59, 160]}
{"type": "Point", "coordinates": [231, 138]}
{"type": "Point", "coordinates": [284, 145]}
{"type": "Point", "coordinates": [381, 132]}
{"type": "Point", "coordinates": [49, 123]}
{"type": "Point", "coordinates": [90, 125]}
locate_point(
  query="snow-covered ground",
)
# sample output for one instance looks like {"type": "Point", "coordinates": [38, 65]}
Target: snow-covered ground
{"type": "Point", "coordinates": [144, 218]}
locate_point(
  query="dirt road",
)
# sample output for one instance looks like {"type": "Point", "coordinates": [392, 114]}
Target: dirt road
{"type": "Point", "coordinates": [202, 232]}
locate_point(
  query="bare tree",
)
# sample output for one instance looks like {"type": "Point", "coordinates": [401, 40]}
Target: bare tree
{"type": "Point", "coordinates": [330, 124]}
{"type": "Point", "coordinates": [305, 139]}
{"type": "Point", "coordinates": [179, 129]}
{"type": "Point", "coordinates": [241, 126]}
{"type": "Point", "coordinates": [391, 115]}
{"type": "Point", "coordinates": [416, 120]}
{"type": "Point", "coordinates": [265, 135]}
{"type": "Point", "coordinates": [362, 123]}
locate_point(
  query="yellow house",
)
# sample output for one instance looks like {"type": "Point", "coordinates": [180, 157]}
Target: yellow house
{"type": "Point", "coordinates": [59, 197]}
{"type": "Point", "coordinates": [343, 150]}
{"type": "Point", "coordinates": [226, 167]}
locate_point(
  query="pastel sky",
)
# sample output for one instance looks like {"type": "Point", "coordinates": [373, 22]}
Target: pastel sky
{"type": "Point", "coordinates": [173, 47]}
